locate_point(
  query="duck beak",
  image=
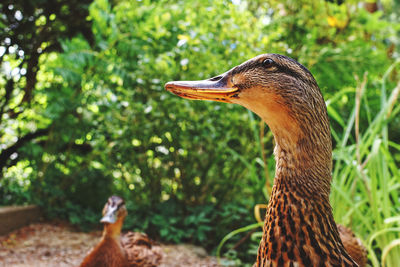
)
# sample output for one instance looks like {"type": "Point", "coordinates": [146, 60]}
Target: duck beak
{"type": "Point", "coordinates": [110, 216]}
{"type": "Point", "coordinates": [219, 88]}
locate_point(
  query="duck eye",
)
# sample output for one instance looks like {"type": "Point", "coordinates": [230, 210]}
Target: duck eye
{"type": "Point", "coordinates": [268, 62]}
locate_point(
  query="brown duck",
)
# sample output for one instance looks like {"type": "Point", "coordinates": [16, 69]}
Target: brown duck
{"type": "Point", "coordinates": [132, 250]}
{"type": "Point", "coordinates": [299, 228]}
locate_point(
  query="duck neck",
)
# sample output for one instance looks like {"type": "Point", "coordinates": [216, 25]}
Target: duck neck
{"type": "Point", "coordinates": [299, 226]}
{"type": "Point", "coordinates": [113, 230]}
{"type": "Point", "coordinates": [305, 165]}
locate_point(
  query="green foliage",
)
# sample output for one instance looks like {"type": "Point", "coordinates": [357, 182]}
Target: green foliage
{"type": "Point", "coordinates": [174, 222]}
{"type": "Point", "coordinates": [30, 31]}
{"type": "Point", "coordinates": [192, 171]}
{"type": "Point", "coordinates": [368, 168]}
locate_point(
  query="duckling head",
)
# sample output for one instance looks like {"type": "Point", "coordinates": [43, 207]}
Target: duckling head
{"type": "Point", "coordinates": [114, 210]}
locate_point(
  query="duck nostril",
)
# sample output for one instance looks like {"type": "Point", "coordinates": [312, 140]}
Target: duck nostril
{"type": "Point", "coordinates": [168, 86]}
{"type": "Point", "coordinates": [216, 78]}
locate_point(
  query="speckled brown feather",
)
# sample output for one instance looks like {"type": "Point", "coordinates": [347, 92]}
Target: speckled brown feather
{"type": "Point", "coordinates": [300, 232]}
{"type": "Point", "coordinates": [299, 228]}
{"type": "Point", "coordinates": [141, 251]}
{"type": "Point", "coordinates": [351, 243]}
{"type": "Point", "coordinates": [353, 246]}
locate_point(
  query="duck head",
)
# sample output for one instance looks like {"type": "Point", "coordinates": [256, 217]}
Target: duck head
{"type": "Point", "coordinates": [278, 89]}
{"type": "Point", "coordinates": [114, 213]}
{"type": "Point", "coordinates": [114, 210]}
{"type": "Point", "coordinates": [285, 95]}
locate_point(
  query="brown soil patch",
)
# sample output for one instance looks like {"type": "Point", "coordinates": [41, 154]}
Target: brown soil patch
{"type": "Point", "coordinates": [58, 245]}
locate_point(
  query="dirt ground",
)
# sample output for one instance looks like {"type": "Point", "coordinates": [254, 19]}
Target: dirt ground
{"type": "Point", "coordinates": [57, 244]}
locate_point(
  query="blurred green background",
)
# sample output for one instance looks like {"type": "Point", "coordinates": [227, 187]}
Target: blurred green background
{"type": "Point", "coordinates": [83, 113]}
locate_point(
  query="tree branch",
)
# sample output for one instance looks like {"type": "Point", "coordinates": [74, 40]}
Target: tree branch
{"type": "Point", "coordinates": [6, 153]}
{"type": "Point", "coordinates": [9, 88]}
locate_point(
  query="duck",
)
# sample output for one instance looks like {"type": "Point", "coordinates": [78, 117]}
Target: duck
{"type": "Point", "coordinates": [132, 250]}
{"type": "Point", "coordinates": [299, 227]}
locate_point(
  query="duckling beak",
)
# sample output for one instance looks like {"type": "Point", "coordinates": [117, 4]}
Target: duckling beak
{"type": "Point", "coordinates": [219, 88]}
{"type": "Point", "coordinates": [110, 216]}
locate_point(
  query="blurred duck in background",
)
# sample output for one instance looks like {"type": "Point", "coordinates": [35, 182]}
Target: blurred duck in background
{"type": "Point", "coordinates": [130, 250]}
